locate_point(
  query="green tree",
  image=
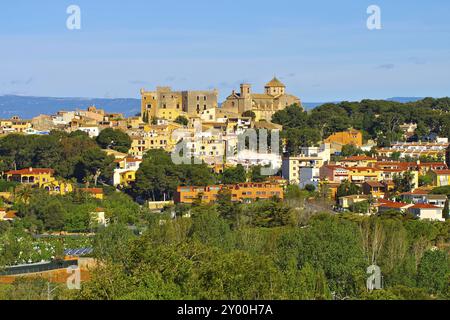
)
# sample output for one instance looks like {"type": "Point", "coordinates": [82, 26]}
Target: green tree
{"type": "Point", "coordinates": [255, 174]}
{"type": "Point", "coordinates": [182, 120]}
{"type": "Point", "coordinates": [249, 114]}
{"type": "Point", "coordinates": [351, 150]}
{"type": "Point", "coordinates": [446, 211]}
{"type": "Point", "coordinates": [404, 182]}
{"type": "Point", "coordinates": [310, 188]}
{"type": "Point", "coordinates": [158, 177]}
{"type": "Point", "coordinates": [434, 271]}
{"type": "Point", "coordinates": [114, 139]}
{"type": "Point", "coordinates": [347, 188]}
{"type": "Point", "coordinates": [227, 209]}
{"type": "Point", "coordinates": [234, 175]}
{"type": "Point", "coordinates": [112, 244]}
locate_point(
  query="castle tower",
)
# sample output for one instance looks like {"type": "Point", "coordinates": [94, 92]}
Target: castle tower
{"type": "Point", "coordinates": [246, 90]}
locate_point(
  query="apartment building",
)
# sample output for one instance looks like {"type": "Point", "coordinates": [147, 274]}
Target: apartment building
{"type": "Point", "coordinates": [243, 192]}
{"type": "Point", "coordinates": [310, 157]}
{"type": "Point", "coordinates": [416, 149]}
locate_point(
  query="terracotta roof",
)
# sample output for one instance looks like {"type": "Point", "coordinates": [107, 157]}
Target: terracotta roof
{"type": "Point", "coordinates": [358, 158]}
{"type": "Point", "coordinates": [374, 184]}
{"type": "Point", "coordinates": [432, 164]}
{"type": "Point", "coordinates": [424, 206]}
{"type": "Point", "coordinates": [93, 190]}
{"type": "Point", "coordinates": [10, 215]}
{"type": "Point", "coordinates": [392, 204]}
{"type": "Point", "coordinates": [443, 172]}
{"type": "Point", "coordinates": [416, 192]}
{"type": "Point", "coordinates": [31, 171]}
{"type": "Point", "coordinates": [393, 170]}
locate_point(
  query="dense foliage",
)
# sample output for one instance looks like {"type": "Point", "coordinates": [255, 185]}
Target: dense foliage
{"type": "Point", "coordinates": [378, 120]}
{"type": "Point", "coordinates": [72, 155]}
{"type": "Point", "coordinates": [114, 139]}
{"type": "Point", "coordinates": [205, 257]}
{"type": "Point", "coordinates": [158, 177]}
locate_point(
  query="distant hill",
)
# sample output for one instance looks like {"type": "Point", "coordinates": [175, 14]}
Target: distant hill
{"type": "Point", "coordinates": [28, 107]}
{"type": "Point", "coordinates": [312, 105]}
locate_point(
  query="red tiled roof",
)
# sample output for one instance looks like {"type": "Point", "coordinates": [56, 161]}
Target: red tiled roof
{"type": "Point", "coordinates": [424, 206]}
{"type": "Point", "coordinates": [392, 204]}
{"type": "Point", "coordinates": [393, 170]}
{"type": "Point", "coordinates": [432, 164]}
{"type": "Point", "coordinates": [10, 215]}
{"type": "Point", "coordinates": [358, 158]}
{"type": "Point", "coordinates": [416, 192]}
{"type": "Point", "coordinates": [374, 184]}
{"type": "Point", "coordinates": [443, 172]}
{"type": "Point", "coordinates": [31, 171]}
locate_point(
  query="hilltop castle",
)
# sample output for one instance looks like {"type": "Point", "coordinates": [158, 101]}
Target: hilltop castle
{"type": "Point", "coordinates": [167, 104]}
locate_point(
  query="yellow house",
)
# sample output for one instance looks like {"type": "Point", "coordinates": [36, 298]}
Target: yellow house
{"type": "Point", "coordinates": [347, 201]}
{"type": "Point", "coordinates": [127, 177]}
{"type": "Point", "coordinates": [15, 125]}
{"type": "Point", "coordinates": [32, 176]}
{"type": "Point", "coordinates": [58, 187]}
{"type": "Point", "coordinates": [359, 175]}
{"type": "Point", "coordinates": [125, 173]}
{"type": "Point", "coordinates": [441, 178]}
{"type": "Point", "coordinates": [389, 175]}
{"type": "Point", "coordinates": [134, 122]}
{"type": "Point", "coordinates": [142, 144]}
{"type": "Point", "coordinates": [115, 154]}
{"type": "Point", "coordinates": [358, 161]}
{"type": "Point", "coordinates": [20, 126]}
{"type": "Point", "coordinates": [43, 178]}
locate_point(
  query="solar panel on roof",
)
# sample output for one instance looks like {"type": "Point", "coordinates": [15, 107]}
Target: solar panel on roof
{"type": "Point", "coordinates": [78, 252]}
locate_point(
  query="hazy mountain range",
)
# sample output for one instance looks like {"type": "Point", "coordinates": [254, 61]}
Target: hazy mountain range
{"type": "Point", "coordinates": [28, 107]}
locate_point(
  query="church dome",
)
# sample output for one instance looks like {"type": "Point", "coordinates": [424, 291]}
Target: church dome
{"type": "Point", "coordinates": [275, 83]}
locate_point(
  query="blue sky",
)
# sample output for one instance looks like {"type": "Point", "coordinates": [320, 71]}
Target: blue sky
{"type": "Point", "coordinates": [321, 49]}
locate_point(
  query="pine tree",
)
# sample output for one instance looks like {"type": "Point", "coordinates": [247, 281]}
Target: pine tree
{"type": "Point", "coordinates": [445, 212]}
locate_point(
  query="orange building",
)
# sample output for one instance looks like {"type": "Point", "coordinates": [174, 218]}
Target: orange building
{"type": "Point", "coordinates": [346, 137]}
{"type": "Point", "coordinates": [243, 192]}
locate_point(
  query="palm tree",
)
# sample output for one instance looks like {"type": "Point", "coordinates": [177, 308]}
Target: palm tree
{"type": "Point", "coordinates": [24, 194]}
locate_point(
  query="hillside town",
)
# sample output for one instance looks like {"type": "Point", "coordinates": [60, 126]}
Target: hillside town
{"type": "Point", "coordinates": [256, 160]}
{"type": "Point", "coordinates": [168, 117]}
